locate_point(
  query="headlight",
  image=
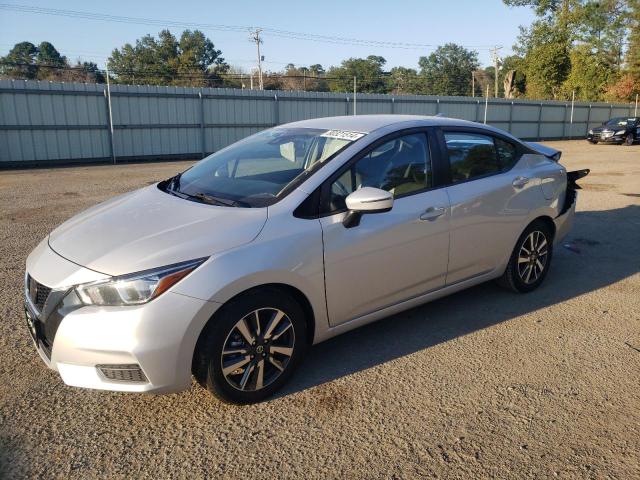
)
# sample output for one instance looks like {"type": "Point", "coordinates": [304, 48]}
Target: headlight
{"type": "Point", "coordinates": [136, 288]}
{"type": "Point", "coordinates": [620, 132]}
{"type": "Point", "coordinates": [590, 132]}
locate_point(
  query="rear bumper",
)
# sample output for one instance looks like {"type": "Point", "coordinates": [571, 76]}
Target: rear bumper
{"type": "Point", "coordinates": [564, 222]}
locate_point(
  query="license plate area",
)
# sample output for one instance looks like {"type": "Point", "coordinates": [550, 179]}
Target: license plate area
{"type": "Point", "coordinates": [32, 324]}
{"type": "Point", "coordinates": [35, 330]}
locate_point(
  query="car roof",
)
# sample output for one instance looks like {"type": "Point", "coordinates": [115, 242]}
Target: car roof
{"type": "Point", "coordinates": [369, 123]}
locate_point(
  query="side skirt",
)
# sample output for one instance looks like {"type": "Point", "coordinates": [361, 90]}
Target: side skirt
{"type": "Point", "coordinates": [406, 305]}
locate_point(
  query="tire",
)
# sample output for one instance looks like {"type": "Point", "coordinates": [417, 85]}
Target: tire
{"type": "Point", "coordinates": [526, 276]}
{"type": "Point", "coordinates": [592, 142]}
{"type": "Point", "coordinates": [628, 140]}
{"type": "Point", "coordinates": [263, 364]}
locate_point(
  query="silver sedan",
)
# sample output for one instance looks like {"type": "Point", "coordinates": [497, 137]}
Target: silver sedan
{"type": "Point", "coordinates": [230, 270]}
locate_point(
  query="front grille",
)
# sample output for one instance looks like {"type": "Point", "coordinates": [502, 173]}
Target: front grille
{"type": "Point", "coordinates": [596, 135]}
{"type": "Point", "coordinates": [38, 293]}
{"type": "Point", "coordinates": [123, 373]}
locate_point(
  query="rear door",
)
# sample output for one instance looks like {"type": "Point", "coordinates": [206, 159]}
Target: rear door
{"type": "Point", "coordinates": [490, 196]}
{"type": "Point", "coordinates": [393, 256]}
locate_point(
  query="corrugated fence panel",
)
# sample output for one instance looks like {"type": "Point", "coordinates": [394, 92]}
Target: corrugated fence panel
{"type": "Point", "coordinates": [45, 122]}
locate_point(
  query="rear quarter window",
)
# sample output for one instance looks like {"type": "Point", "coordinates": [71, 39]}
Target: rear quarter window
{"type": "Point", "coordinates": [507, 154]}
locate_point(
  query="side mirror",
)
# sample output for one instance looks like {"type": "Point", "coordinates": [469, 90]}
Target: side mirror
{"type": "Point", "coordinates": [366, 200]}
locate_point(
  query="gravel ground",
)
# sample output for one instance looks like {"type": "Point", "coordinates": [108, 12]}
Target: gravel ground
{"type": "Point", "coordinates": [484, 383]}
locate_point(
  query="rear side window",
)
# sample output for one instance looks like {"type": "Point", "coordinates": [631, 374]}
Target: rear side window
{"type": "Point", "coordinates": [471, 155]}
{"type": "Point", "coordinates": [507, 154]}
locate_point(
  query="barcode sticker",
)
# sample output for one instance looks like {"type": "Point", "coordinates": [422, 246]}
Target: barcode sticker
{"type": "Point", "coordinates": [343, 135]}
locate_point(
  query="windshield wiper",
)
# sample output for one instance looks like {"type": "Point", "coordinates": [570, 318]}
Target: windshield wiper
{"type": "Point", "coordinates": [206, 198]}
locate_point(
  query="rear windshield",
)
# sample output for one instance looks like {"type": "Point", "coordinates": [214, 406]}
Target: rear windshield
{"type": "Point", "coordinates": [256, 171]}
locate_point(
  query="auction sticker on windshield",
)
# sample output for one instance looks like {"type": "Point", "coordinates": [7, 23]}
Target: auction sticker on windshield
{"type": "Point", "coordinates": [343, 135]}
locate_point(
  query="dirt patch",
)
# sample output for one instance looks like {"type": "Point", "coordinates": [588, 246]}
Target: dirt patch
{"type": "Point", "coordinates": [597, 187]}
{"type": "Point", "coordinates": [481, 384]}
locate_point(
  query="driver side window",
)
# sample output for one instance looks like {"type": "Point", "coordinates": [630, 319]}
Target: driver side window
{"type": "Point", "coordinates": [401, 166]}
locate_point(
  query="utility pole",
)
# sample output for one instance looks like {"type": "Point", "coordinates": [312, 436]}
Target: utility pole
{"type": "Point", "coordinates": [355, 112]}
{"type": "Point", "coordinates": [496, 60]}
{"type": "Point", "coordinates": [473, 83]}
{"type": "Point", "coordinates": [486, 105]}
{"type": "Point", "coordinates": [255, 37]}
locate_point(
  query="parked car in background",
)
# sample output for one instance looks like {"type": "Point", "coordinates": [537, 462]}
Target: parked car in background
{"type": "Point", "coordinates": [233, 268]}
{"type": "Point", "coordinates": [621, 130]}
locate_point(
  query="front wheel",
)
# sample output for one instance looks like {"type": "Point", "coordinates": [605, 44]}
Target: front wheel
{"type": "Point", "coordinates": [252, 346]}
{"type": "Point", "coordinates": [530, 259]}
{"type": "Point", "coordinates": [629, 139]}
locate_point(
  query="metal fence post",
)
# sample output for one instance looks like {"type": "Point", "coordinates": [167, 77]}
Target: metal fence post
{"type": "Point", "coordinates": [112, 152]}
{"type": "Point", "coordinates": [202, 138]}
{"type": "Point", "coordinates": [477, 110]}
{"type": "Point", "coordinates": [511, 118]}
{"type": "Point", "coordinates": [393, 105]}
{"type": "Point", "coordinates": [539, 122]}
{"type": "Point", "coordinates": [588, 119]}
{"type": "Point", "coordinates": [346, 109]}
{"type": "Point", "coordinates": [276, 110]}
{"type": "Point", "coordinates": [437, 106]}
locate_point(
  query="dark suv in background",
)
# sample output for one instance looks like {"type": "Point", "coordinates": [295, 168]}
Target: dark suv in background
{"type": "Point", "coordinates": [621, 130]}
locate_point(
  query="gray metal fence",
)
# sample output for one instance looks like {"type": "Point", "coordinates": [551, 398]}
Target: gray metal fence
{"type": "Point", "coordinates": [54, 123]}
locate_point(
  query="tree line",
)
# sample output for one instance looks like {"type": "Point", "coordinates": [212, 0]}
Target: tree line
{"type": "Point", "coordinates": [590, 48]}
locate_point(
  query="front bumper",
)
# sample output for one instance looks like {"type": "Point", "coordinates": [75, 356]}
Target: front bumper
{"type": "Point", "coordinates": [158, 338]}
{"type": "Point", "coordinates": [601, 139]}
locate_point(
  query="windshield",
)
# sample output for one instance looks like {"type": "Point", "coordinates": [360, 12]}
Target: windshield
{"type": "Point", "coordinates": [620, 122]}
{"type": "Point", "coordinates": [256, 171]}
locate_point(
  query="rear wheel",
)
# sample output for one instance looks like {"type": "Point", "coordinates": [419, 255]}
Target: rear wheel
{"type": "Point", "coordinates": [252, 346]}
{"type": "Point", "coordinates": [530, 259]}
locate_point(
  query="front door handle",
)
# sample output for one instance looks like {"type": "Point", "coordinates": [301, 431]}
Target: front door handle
{"type": "Point", "coordinates": [520, 182]}
{"type": "Point", "coordinates": [432, 213]}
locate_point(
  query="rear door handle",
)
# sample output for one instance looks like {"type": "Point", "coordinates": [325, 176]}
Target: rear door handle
{"type": "Point", "coordinates": [520, 182]}
{"type": "Point", "coordinates": [432, 213]}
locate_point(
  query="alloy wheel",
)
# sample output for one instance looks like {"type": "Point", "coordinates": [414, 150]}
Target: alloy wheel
{"type": "Point", "coordinates": [532, 257]}
{"type": "Point", "coordinates": [258, 349]}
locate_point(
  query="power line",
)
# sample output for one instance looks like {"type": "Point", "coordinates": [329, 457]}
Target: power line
{"type": "Point", "coordinates": [220, 27]}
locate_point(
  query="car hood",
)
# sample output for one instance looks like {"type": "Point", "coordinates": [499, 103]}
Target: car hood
{"type": "Point", "coordinates": [604, 129]}
{"type": "Point", "coordinates": [149, 228]}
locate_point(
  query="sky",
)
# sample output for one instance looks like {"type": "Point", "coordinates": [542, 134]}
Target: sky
{"type": "Point", "coordinates": [472, 23]}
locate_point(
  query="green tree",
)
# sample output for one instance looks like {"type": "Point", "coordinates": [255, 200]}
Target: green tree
{"type": "Point", "coordinates": [368, 72]}
{"type": "Point", "coordinates": [588, 76]}
{"type": "Point", "coordinates": [20, 61]}
{"type": "Point", "coordinates": [48, 55]}
{"type": "Point", "coordinates": [448, 70]}
{"type": "Point", "coordinates": [191, 61]}
{"type": "Point", "coordinates": [633, 50]}
{"type": "Point", "coordinates": [545, 50]}
{"type": "Point", "coordinates": [405, 81]}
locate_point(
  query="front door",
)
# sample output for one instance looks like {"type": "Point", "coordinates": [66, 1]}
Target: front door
{"type": "Point", "coordinates": [393, 256]}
